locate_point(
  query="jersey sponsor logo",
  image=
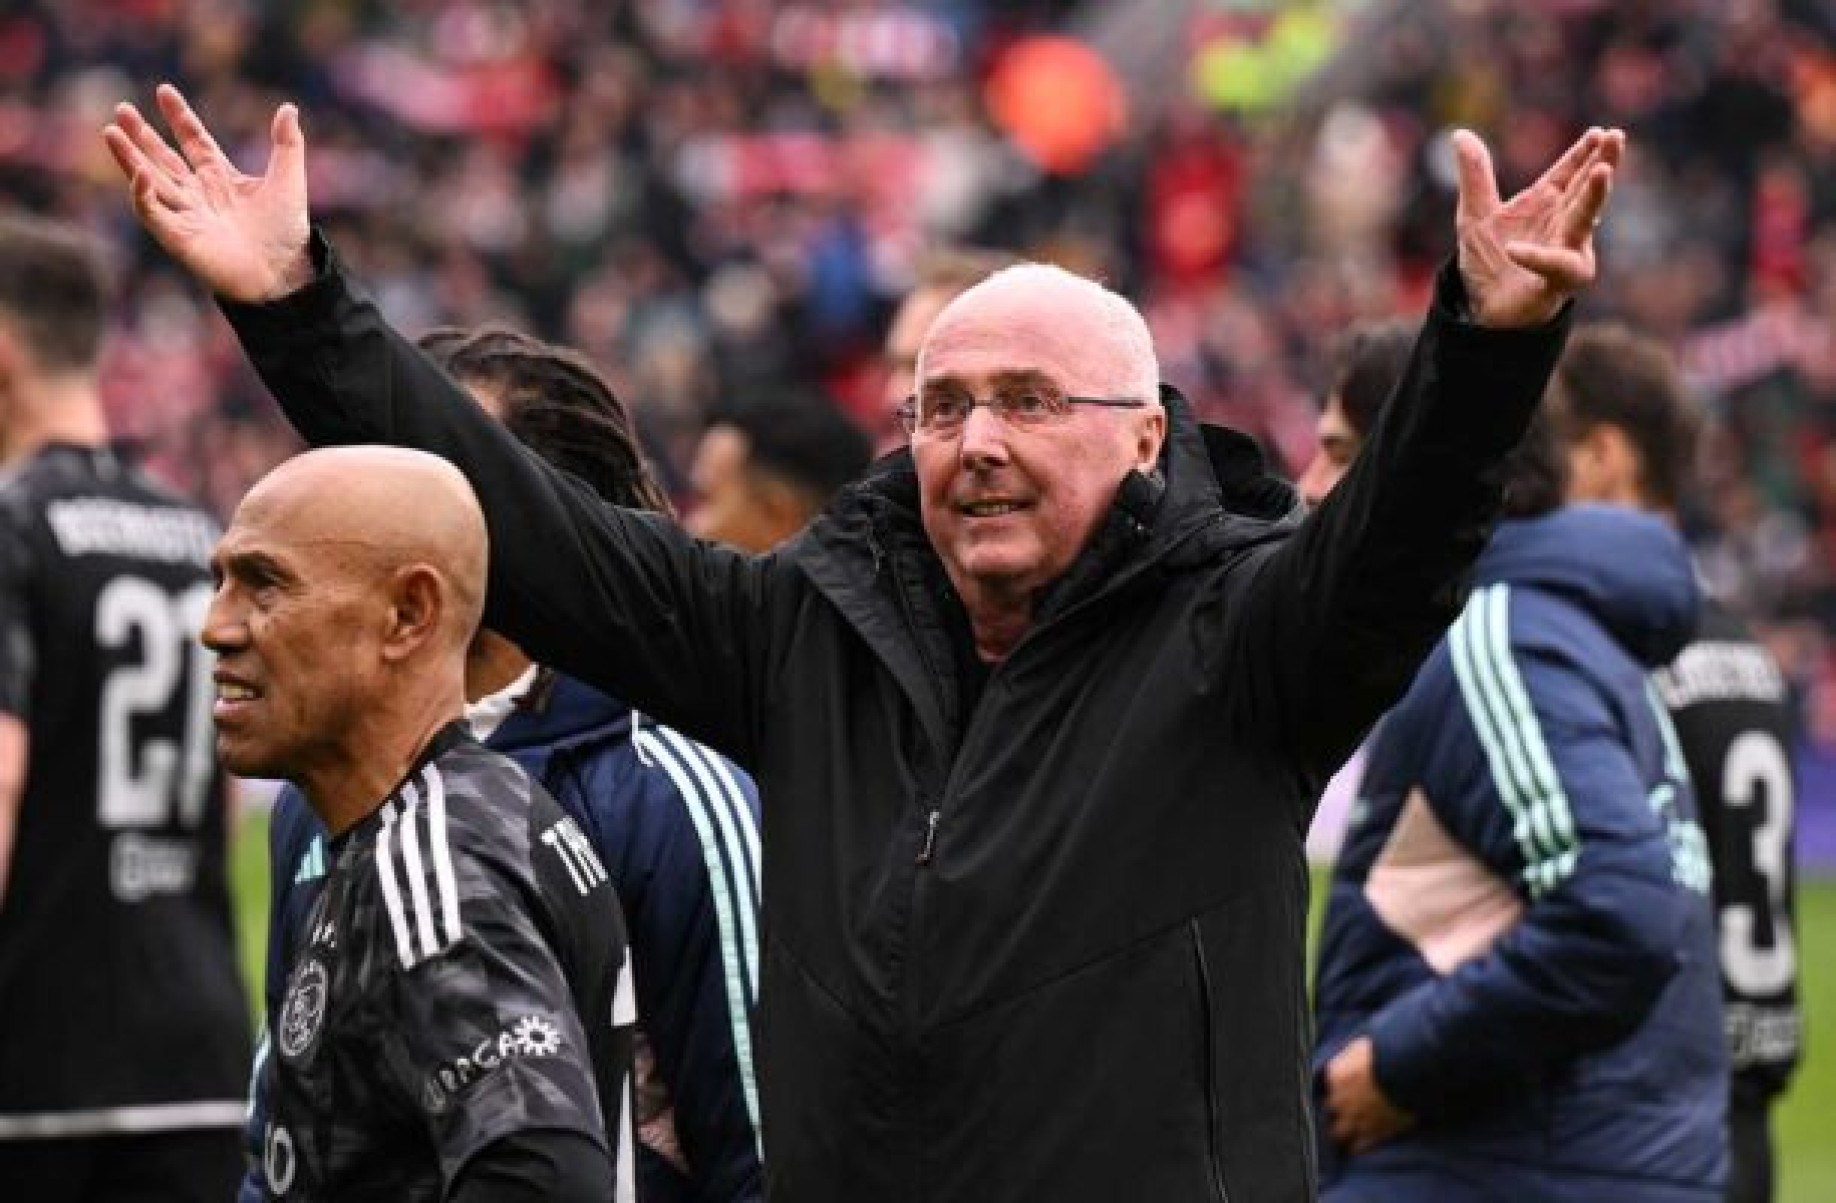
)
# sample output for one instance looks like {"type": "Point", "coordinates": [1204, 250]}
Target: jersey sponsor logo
{"type": "Point", "coordinates": [529, 1036]}
{"type": "Point", "coordinates": [143, 865]}
{"type": "Point", "coordinates": [303, 1014]}
{"type": "Point", "coordinates": [278, 1162]}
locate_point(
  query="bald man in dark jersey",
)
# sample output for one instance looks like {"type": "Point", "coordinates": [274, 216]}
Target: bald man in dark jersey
{"type": "Point", "coordinates": [458, 1024]}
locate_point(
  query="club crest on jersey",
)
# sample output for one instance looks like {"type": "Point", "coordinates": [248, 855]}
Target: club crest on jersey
{"type": "Point", "coordinates": [304, 1011]}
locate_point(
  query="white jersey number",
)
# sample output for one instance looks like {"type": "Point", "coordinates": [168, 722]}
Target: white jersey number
{"type": "Point", "coordinates": [142, 782]}
{"type": "Point", "coordinates": [1757, 768]}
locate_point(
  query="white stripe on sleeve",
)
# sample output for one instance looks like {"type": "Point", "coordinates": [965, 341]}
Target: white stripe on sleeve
{"type": "Point", "coordinates": [391, 891]}
{"type": "Point", "coordinates": [445, 880]}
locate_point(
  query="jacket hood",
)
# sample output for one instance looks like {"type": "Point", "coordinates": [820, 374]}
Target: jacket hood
{"type": "Point", "coordinates": [1206, 474]}
{"type": "Point", "coordinates": [1629, 570]}
{"type": "Point", "coordinates": [558, 714]}
{"type": "Point", "coordinates": [868, 552]}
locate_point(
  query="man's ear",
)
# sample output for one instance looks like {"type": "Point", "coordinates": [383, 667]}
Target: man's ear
{"type": "Point", "coordinates": [417, 608]}
{"type": "Point", "coordinates": [12, 358]}
{"type": "Point", "coordinates": [1611, 461]}
{"type": "Point", "coordinates": [784, 507]}
{"type": "Point", "coordinates": [1150, 436]}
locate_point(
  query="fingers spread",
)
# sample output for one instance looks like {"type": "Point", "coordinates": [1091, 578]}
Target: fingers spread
{"type": "Point", "coordinates": [288, 155]}
{"type": "Point", "coordinates": [286, 126]}
{"type": "Point", "coordinates": [200, 149]}
{"type": "Point", "coordinates": [1478, 184]}
{"type": "Point", "coordinates": [1564, 269]}
{"type": "Point", "coordinates": [152, 198]}
{"type": "Point", "coordinates": [151, 144]}
{"type": "Point", "coordinates": [1585, 205]}
{"type": "Point", "coordinates": [127, 155]}
{"type": "Point", "coordinates": [1574, 160]}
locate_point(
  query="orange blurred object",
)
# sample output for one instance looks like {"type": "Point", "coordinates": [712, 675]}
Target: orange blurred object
{"type": "Point", "coordinates": [1058, 100]}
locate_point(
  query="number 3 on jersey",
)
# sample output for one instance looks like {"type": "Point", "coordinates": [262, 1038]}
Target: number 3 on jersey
{"type": "Point", "coordinates": [141, 782]}
{"type": "Point", "coordinates": [1756, 770]}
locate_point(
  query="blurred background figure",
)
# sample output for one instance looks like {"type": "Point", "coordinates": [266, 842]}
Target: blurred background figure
{"type": "Point", "coordinates": [767, 464]}
{"type": "Point", "coordinates": [1630, 433]}
{"type": "Point", "coordinates": [1368, 361]}
{"type": "Point", "coordinates": [942, 277]}
{"type": "Point", "coordinates": [124, 1028]}
{"type": "Point", "coordinates": [1518, 937]}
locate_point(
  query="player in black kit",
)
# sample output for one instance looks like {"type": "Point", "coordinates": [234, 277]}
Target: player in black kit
{"type": "Point", "coordinates": [1627, 420]}
{"type": "Point", "coordinates": [458, 1023]}
{"type": "Point", "coordinates": [123, 1023]}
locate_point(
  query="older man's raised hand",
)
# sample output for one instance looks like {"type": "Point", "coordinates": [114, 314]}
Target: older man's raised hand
{"type": "Point", "coordinates": [243, 236]}
{"type": "Point", "coordinates": [1522, 259]}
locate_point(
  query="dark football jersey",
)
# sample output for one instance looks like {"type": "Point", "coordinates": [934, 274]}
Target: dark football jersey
{"type": "Point", "coordinates": [464, 977]}
{"type": "Point", "coordinates": [1728, 700]}
{"type": "Point", "coordinates": [120, 995]}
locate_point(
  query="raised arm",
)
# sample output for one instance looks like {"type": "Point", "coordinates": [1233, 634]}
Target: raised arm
{"type": "Point", "coordinates": [621, 599]}
{"type": "Point", "coordinates": [1341, 614]}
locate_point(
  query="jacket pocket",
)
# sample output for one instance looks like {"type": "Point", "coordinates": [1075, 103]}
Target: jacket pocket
{"type": "Point", "coordinates": [1208, 1045]}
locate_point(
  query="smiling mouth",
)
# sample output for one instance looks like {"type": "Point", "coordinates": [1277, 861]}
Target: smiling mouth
{"type": "Point", "coordinates": [990, 509]}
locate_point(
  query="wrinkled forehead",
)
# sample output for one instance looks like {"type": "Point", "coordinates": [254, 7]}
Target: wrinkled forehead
{"type": "Point", "coordinates": [293, 514]}
{"type": "Point", "coordinates": [1062, 334]}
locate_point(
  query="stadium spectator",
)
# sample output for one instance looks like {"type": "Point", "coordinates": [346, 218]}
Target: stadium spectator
{"type": "Point", "coordinates": [457, 1021]}
{"type": "Point", "coordinates": [1041, 707]}
{"type": "Point", "coordinates": [1516, 993]}
{"type": "Point", "coordinates": [942, 277]}
{"type": "Point", "coordinates": [122, 1068]}
{"type": "Point", "coordinates": [768, 464]}
{"type": "Point", "coordinates": [580, 168]}
{"type": "Point", "coordinates": [1368, 362]}
{"type": "Point", "coordinates": [1629, 428]}
{"type": "Point", "coordinates": [674, 824]}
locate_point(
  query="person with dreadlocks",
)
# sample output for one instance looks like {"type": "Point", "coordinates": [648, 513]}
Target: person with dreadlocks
{"type": "Point", "coordinates": [675, 825]}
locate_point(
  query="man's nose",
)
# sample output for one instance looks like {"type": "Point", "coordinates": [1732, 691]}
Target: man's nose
{"type": "Point", "coordinates": [984, 437]}
{"type": "Point", "coordinates": [223, 628]}
{"type": "Point", "coordinates": [1316, 481]}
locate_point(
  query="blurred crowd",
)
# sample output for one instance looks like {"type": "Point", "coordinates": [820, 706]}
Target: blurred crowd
{"type": "Point", "coordinates": [719, 197]}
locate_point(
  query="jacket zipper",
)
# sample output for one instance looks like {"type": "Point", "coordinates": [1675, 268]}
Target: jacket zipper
{"type": "Point", "coordinates": [930, 836]}
{"type": "Point", "coordinates": [1211, 1085]}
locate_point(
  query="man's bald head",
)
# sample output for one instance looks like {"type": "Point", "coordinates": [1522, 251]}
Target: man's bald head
{"type": "Point", "coordinates": [385, 509]}
{"type": "Point", "coordinates": [1038, 311]}
{"type": "Point", "coordinates": [349, 584]}
{"type": "Point", "coordinates": [1038, 394]}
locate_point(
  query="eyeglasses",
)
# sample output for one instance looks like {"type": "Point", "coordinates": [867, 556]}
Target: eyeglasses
{"type": "Point", "coordinates": [945, 413]}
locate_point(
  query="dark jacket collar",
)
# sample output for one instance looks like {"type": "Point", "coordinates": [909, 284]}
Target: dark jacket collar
{"type": "Point", "coordinates": [868, 553]}
{"type": "Point", "coordinates": [559, 712]}
{"type": "Point", "coordinates": [1208, 475]}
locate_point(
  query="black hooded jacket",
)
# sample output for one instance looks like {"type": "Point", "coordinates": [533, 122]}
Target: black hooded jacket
{"type": "Point", "coordinates": [1052, 949]}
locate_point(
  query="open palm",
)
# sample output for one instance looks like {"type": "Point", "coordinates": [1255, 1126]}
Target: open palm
{"type": "Point", "coordinates": [244, 236]}
{"type": "Point", "coordinates": [1522, 259]}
